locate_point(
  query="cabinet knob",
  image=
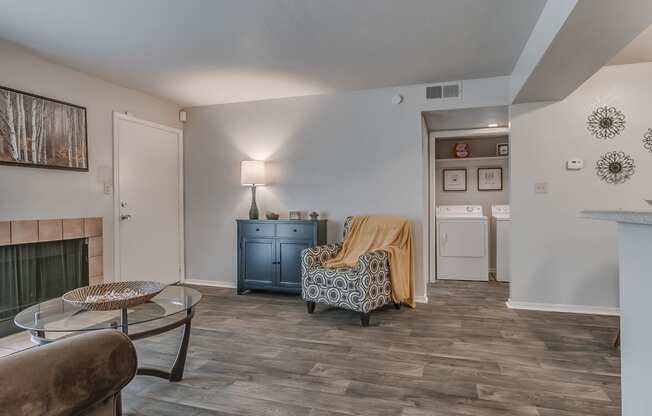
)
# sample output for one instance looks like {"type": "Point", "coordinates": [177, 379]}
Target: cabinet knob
{"type": "Point", "coordinates": [257, 229]}
{"type": "Point", "coordinates": [295, 230]}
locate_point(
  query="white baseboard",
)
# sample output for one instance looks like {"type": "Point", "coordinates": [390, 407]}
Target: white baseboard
{"type": "Point", "coordinates": [212, 283]}
{"type": "Point", "coordinates": [421, 299]}
{"type": "Point", "coordinates": [552, 307]}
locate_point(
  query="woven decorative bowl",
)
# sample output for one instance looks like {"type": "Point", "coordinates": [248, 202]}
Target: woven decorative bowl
{"type": "Point", "coordinates": [111, 296]}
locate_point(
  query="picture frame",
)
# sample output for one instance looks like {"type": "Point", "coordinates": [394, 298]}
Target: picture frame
{"type": "Point", "coordinates": [454, 180]}
{"type": "Point", "coordinates": [41, 132]}
{"type": "Point", "coordinates": [502, 149]}
{"type": "Point", "coordinates": [490, 179]}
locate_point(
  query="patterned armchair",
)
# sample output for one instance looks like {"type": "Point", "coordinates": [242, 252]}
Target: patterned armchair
{"type": "Point", "coordinates": [361, 289]}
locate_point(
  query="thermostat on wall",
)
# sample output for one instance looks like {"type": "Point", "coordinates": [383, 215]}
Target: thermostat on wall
{"type": "Point", "coordinates": [574, 164]}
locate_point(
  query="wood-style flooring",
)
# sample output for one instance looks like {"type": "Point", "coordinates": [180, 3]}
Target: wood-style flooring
{"type": "Point", "coordinates": [463, 354]}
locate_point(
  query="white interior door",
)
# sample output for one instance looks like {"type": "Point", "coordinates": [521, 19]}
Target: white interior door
{"type": "Point", "coordinates": [148, 196]}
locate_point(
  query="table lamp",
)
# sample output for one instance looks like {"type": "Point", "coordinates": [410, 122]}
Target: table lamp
{"type": "Point", "coordinates": [252, 173]}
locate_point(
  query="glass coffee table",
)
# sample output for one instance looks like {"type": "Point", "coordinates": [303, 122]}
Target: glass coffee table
{"type": "Point", "coordinates": [172, 308]}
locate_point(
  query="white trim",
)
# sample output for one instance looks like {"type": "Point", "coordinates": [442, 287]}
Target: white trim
{"type": "Point", "coordinates": [116, 193]}
{"type": "Point", "coordinates": [471, 133]}
{"type": "Point", "coordinates": [552, 307]}
{"type": "Point", "coordinates": [421, 299]}
{"type": "Point", "coordinates": [425, 176]}
{"type": "Point", "coordinates": [211, 283]}
{"type": "Point", "coordinates": [471, 159]}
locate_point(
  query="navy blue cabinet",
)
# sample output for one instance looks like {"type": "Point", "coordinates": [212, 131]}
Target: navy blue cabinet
{"type": "Point", "coordinates": [269, 252]}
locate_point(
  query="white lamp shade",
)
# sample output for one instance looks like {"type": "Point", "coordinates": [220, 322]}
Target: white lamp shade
{"type": "Point", "coordinates": [252, 172]}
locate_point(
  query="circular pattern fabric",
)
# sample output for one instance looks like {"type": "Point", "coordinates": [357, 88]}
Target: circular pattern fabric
{"type": "Point", "coordinates": [606, 122]}
{"type": "Point", "coordinates": [333, 295]}
{"type": "Point", "coordinates": [312, 291]}
{"type": "Point", "coordinates": [340, 283]}
{"type": "Point", "coordinates": [363, 289]}
{"type": "Point", "coordinates": [615, 167]}
{"type": "Point", "coordinates": [374, 266]}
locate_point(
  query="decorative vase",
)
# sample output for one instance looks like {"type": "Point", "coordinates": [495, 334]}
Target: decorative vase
{"type": "Point", "coordinates": [314, 215]}
{"type": "Point", "coordinates": [253, 211]}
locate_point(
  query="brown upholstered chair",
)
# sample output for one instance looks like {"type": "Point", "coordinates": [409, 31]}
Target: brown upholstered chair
{"type": "Point", "coordinates": [80, 375]}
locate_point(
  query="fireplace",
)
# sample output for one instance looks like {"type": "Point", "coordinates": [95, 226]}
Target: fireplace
{"type": "Point", "coordinates": [43, 259]}
{"type": "Point", "coordinates": [33, 273]}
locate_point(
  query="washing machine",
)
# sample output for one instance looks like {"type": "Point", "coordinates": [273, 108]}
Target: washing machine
{"type": "Point", "coordinates": [502, 217]}
{"type": "Point", "coordinates": [462, 242]}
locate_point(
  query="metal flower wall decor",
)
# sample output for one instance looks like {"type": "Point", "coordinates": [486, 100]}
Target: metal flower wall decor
{"type": "Point", "coordinates": [647, 140]}
{"type": "Point", "coordinates": [615, 167]}
{"type": "Point", "coordinates": [606, 122]}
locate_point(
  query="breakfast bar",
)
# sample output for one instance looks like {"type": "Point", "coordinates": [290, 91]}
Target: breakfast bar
{"type": "Point", "coordinates": [635, 281]}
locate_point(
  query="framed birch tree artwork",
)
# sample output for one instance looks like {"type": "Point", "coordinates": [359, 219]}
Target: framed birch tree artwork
{"type": "Point", "coordinates": [42, 132]}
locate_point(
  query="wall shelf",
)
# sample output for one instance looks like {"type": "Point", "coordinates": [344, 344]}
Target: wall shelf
{"type": "Point", "coordinates": [489, 158]}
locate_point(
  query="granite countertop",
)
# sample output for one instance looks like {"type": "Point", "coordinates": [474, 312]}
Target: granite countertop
{"type": "Point", "coordinates": [632, 217]}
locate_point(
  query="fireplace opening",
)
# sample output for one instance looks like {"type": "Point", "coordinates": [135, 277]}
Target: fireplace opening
{"type": "Point", "coordinates": [35, 272]}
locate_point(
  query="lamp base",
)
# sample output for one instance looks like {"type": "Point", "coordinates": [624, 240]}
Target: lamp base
{"type": "Point", "coordinates": [253, 211]}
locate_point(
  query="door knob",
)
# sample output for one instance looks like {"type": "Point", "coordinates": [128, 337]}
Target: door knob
{"type": "Point", "coordinates": [125, 216]}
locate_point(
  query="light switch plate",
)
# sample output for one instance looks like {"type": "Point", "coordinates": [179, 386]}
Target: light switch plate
{"type": "Point", "coordinates": [541, 188]}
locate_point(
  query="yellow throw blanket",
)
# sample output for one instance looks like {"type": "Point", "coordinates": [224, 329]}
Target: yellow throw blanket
{"type": "Point", "coordinates": [392, 234]}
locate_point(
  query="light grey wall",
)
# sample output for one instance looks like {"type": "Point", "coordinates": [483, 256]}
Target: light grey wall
{"type": "Point", "coordinates": [341, 154]}
{"type": "Point", "coordinates": [557, 257]}
{"type": "Point", "coordinates": [29, 193]}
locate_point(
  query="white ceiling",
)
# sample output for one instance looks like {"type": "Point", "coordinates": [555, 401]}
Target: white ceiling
{"type": "Point", "coordinates": [639, 50]}
{"type": "Point", "coordinates": [196, 52]}
{"type": "Point", "coordinates": [471, 118]}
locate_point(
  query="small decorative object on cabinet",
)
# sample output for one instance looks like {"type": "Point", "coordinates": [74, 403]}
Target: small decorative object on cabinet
{"type": "Point", "coordinates": [454, 180]}
{"type": "Point", "coordinates": [269, 252]}
{"type": "Point", "coordinates": [502, 149]}
{"type": "Point", "coordinates": [252, 174]}
{"type": "Point", "coordinates": [272, 215]}
{"type": "Point", "coordinates": [313, 215]}
{"type": "Point", "coordinates": [295, 215]}
{"type": "Point", "coordinates": [461, 150]}
{"type": "Point", "coordinates": [490, 179]}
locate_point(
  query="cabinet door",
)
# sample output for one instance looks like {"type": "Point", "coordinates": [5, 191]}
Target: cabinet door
{"type": "Point", "coordinates": [289, 255]}
{"type": "Point", "coordinates": [258, 262]}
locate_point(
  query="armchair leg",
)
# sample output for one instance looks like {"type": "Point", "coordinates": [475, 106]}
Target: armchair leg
{"type": "Point", "coordinates": [397, 305]}
{"type": "Point", "coordinates": [311, 306]}
{"type": "Point", "coordinates": [364, 319]}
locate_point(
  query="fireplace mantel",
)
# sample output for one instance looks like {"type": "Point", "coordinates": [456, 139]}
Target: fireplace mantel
{"type": "Point", "coordinates": [42, 230]}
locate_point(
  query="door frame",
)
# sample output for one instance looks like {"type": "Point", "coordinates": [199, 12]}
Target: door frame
{"type": "Point", "coordinates": [433, 136]}
{"type": "Point", "coordinates": [117, 116]}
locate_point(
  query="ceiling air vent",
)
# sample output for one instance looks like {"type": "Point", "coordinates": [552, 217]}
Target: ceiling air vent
{"type": "Point", "coordinates": [444, 91]}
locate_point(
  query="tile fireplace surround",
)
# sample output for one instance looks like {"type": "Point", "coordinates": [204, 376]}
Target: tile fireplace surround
{"type": "Point", "coordinates": [35, 231]}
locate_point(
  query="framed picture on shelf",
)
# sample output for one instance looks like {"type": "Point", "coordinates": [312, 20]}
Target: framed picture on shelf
{"type": "Point", "coordinates": [42, 132]}
{"type": "Point", "coordinates": [490, 179]}
{"type": "Point", "coordinates": [502, 149]}
{"type": "Point", "coordinates": [454, 180]}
